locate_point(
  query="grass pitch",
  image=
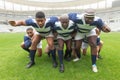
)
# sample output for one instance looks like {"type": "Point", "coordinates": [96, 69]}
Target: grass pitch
{"type": "Point", "coordinates": [13, 60]}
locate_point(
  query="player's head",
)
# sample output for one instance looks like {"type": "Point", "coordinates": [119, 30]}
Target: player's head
{"type": "Point", "coordinates": [40, 18]}
{"type": "Point", "coordinates": [30, 32]}
{"type": "Point", "coordinates": [89, 15]}
{"type": "Point", "coordinates": [64, 19]}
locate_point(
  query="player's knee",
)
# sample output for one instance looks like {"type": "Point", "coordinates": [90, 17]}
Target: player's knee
{"type": "Point", "coordinates": [68, 47]}
{"type": "Point", "coordinates": [51, 47]}
{"type": "Point", "coordinates": [22, 45]}
{"type": "Point", "coordinates": [101, 42]}
{"type": "Point", "coordinates": [39, 52]}
{"type": "Point", "coordinates": [60, 48]}
{"type": "Point", "coordinates": [93, 44]}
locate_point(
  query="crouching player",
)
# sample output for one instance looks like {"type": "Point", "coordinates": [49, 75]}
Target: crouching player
{"type": "Point", "coordinates": [64, 28]}
{"type": "Point", "coordinates": [86, 24]}
{"type": "Point", "coordinates": [28, 41]}
{"type": "Point", "coordinates": [44, 28]}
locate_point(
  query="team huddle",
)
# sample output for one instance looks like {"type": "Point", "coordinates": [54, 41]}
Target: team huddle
{"type": "Point", "coordinates": [65, 29]}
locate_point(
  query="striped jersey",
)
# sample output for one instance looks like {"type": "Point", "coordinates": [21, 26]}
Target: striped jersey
{"type": "Point", "coordinates": [85, 39]}
{"type": "Point", "coordinates": [46, 29]}
{"type": "Point", "coordinates": [81, 24]}
{"type": "Point", "coordinates": [55, 41]}
{"type": "Point", "coordinates": [64, 32]}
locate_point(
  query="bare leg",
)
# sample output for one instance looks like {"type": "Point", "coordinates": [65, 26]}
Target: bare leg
{"type": "Point", "coordinates": [84, 51]}
{"type": "Point", "coordinates": [78, 48]}
{"type": "Point", "coordinates": [99, 47]}
{"type": "Point", "coordinates": [39, 50]}
{"type": "Point", "coordinates": [68, 50]}
{"type": "Point", "coordinates": [93, 45]}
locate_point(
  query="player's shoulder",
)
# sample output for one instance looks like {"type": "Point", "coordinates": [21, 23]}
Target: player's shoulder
{"type": "Point", "coordinates": [97, 18]}
{"type": "Point", "coordinates": [76, 17]}
{"type": "Point", "coordinates": [57, 23]}
{"type": "Point", "coordinates": [79, 16]}
{"type": "Point", "coordinates": [72, 16]}
{"type": "Point", "coordinates": [98, 21]}
{"type": "Point", "coordinates": [30, 21]}
{"type": "Point", "coordinates": [71, 22]}
{"type": "Point", "coordinates": [26, 35]}
{"type": "Point", "coordinates": [52, 19]}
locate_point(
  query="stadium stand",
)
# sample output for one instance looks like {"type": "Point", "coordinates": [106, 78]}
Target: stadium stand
{"type": "Point", "coordinates": [111, 16]}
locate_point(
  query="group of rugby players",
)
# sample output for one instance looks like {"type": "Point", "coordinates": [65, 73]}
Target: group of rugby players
{"type": "Point", "coordinates": [65, 28]}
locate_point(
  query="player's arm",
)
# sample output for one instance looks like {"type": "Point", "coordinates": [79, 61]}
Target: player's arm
{"type": "Point", "coordinates": [55, 34]}
{"type": "Point", "coordinates": [98, 31]}
{"type": "Point", "coordinates": [17, 23]}
{"type": "Point", "coordinates": [54, 31]}
{"type": "Point", "coordinates": [75, 31]}
{"type": "Point", "coordinates": [105, 28]}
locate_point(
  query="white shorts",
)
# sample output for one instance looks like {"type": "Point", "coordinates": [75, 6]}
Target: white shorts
{"type": "Point", "coordinates": [64, 38]}
{"type": "Point", "coordinates": [39, 45]}
{"type": "Point", "coordinates": [84, 45]}
{"type": "Point", "coordinates": [45, 35]}
{"type": "Point", "coordinates": [80, 36]}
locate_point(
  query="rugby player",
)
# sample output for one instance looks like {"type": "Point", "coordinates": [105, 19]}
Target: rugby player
{"type": "Point", "coordinates": [44, 28]}
{"type": "Point", "coordinates": [28, 41]}
{"type": "Point", "coordinates": [64, 28]}
{"type": "Point", "coordinates": [86, 24]}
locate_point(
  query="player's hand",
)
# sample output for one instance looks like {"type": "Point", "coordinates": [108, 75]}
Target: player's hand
{"type": "Point", "coordinates": [13, 23]}
{"type": "Point", "coordinates": [106, 29]}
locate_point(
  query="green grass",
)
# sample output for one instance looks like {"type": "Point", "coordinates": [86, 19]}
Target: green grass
{"type": "Point", "coordinates": [13, 61]}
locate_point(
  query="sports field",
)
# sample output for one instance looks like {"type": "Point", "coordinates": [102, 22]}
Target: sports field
{"type": "Point", "coordinates": [13, 60]}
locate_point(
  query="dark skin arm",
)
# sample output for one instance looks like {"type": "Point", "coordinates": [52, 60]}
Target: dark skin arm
{"type": "Point", "coordinates": [106, 29]}
{"type": "Point", "coordinates": [98, 31]}
{"type": "Point", "coordinates": [17, 23]}
{"type": "Point", "coordinates": [73, 33]}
